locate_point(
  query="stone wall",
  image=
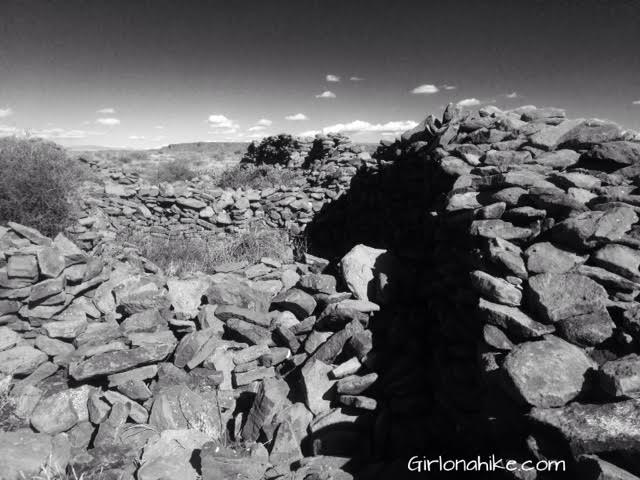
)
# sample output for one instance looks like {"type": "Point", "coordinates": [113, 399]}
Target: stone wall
{"type": "Point", "coordinates": [492, 311]}
{"type": "Point", "coordinates": [195, 208]}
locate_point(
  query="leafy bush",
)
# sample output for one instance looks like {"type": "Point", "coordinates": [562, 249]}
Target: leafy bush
{"type": "Point", "coordinates": [175, 172]}
{"type": "Point", "coordinates": [181, 256]}
{"type": "Point", "coordinates": [273, 150]}
{"type": "Point", "coordinates": [258, 177]}
{"type": "Point", "coordinates": [37, 183]}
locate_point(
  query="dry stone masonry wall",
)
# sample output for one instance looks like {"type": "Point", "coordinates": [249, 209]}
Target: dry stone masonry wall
{"type": "Point", "coordinates": [479, 297]}
{"type": "Point", "coordinates": [196, 208]}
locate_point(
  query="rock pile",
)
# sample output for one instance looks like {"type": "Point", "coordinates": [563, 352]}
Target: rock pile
{"type": "Point", "coordinates": [326, 165]}
{"type": "Point", "coordinates": [534, 250]}
{"type": "Point", "coordinates": [259, 371]}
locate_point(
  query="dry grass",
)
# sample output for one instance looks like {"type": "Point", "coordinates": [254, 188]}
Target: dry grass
{"type": "Point", "coordinates": [185, 256]}
{"type": "Point", "coordinates": [174, 171]}
{"type": "Point", "coordinates": [251, 176]}
{"type": "Point", "coordinates": [37, 184]}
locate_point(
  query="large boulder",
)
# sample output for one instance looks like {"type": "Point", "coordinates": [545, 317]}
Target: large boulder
{"type": "Point", "coordinates": [360, 266]}
{"type": "Point", "coordinates": [547, 373]}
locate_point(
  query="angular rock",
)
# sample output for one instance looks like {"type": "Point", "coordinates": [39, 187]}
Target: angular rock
{"type": "Point", "coordinates": [496, 289]}
{"type": "Point", "coordinates": [558, 296]}
{"type": "Point", "coordinates": [546, 373]}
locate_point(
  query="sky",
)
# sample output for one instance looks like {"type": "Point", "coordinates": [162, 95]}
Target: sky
{"type": "Point", "coordinates": [140, 74]}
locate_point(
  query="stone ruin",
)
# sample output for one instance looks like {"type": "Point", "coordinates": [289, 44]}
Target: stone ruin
{"type": "Point", "coordinates": [479, 297]}
{"type": "Point", "coordinates": [194, 208]}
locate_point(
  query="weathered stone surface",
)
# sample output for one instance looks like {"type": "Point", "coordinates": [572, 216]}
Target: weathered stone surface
{"type": "Point", "coordinates": [300, 303]}
{"type": "Point", "coordinates": [359, 267]}
{"type": "Point", "coordinates": [608, 427]}
{"type": "Point", "coordinates": [620, 152]}
{"type": "Point", "coordinates": [221, 463]}
{"type": "Point", "coordinates": [621, 378]}
{"type": "Point", "coordinates": [271, 397]}
{"type": "Point", "coordinates": [119, 361]}
{"type": "Point", "coordinates": [590, 229]}
{"type": "Point", "coordinates": [317, 385]}
{"type": "Point", "coordinates": [496, 289]}
{"type": "Point", "coordinates": [559, 296]}
{"type": "Point", "coordinates": [590, 133]}
{"type": "Point", "coordinates": [619, 259]}
{"type": "Point", "coordinates": [230, 289]}
{"type": "Point", "coordinates": [547, 258]}
{"type": "Point", "coordinates": [588, 329]}
{"type": "Point", "coordinates": [185, 295]}
{"type": "Point", "coordinates": [21, 360]}
{"type": "Point", "coordinates": [547, 373]}
{"type": "Point", "coordinates": [25, 453]}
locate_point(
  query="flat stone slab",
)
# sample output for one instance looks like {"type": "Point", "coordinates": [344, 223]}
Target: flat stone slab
{"type": "Point", "coordinates": [547, 373]}
{"type": "Point", "coordinates": [608, 427]}
{"type": "Point", "coordinates": [559, 296]}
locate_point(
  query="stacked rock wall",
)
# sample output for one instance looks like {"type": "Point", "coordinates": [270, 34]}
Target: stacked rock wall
{"type": "Point", "coordinates": [195, 208]}
{"type": "Point", "coordinates": [517, 237]}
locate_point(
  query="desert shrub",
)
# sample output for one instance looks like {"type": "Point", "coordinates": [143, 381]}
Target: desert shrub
{"type": "Point", "coordinates": [273, 150]}
{"type": "Point", "coordinates": [182, 256]}
{"type": "Point", "coordinates": [37, 183]}
{"type": "Point", "coordinates": [175, 171]}
{"type": "Point", "coordinates": [258, 177]}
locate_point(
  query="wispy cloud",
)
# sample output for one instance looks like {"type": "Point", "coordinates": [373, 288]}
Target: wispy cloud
{"type": "Point", "coordinates": [512, 95]}
{"type": "Point", "coordinates": [137, 137]}
{"type": "Point", "coordinates": [159, 127]}
{"type": "Point", "coordinates": [8, 130]}
{"type": "Point", "coordinates": [361, 126]}
{"type": "Point", "coordinates": [333, 78]}
{"type": "Point", "coordinates": [256, 128]}
{"type": "Point", "coordinates": [449, 87]}
{"type": "Point", "coordinates": [61, 133]}
{"type": "Point", "coordinates": [356, 79]}
{"type": "Point", "coordinates": [265, 122]}
{"type": "Point", "coordinates": [221, 124]}
{"type": "Point", "coordinates": [297, 116]}
{"type": "Point", "coordinates": [108, 121]}
{"type": "Point", "coordinates": [326, 94]}
{"type": "Point", "coordinates": [636, 102]}
{"type": "Point", "coordinates": [5, 112]}
{"type": "Point", "coordinates": [107, 110]}
{"type": "Point", "coordinates": [425, 89]}
{"type": "Point", "coordinates": [468, 102]}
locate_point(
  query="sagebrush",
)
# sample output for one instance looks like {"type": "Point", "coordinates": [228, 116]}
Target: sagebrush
{"type": "Point", "coordinates": [38, 182]}
{"type": "Point", "coordinates": [175, 171]}
{"type": "Point", "coordinates": [182, 256]}
{"type": "Point", "coordinates": [258, 177]}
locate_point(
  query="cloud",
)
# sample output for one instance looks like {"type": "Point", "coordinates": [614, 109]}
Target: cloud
{"type": "Point", "coordinates": [61, 133]}
{"type": "Point", "coordinates": [108, 110]}
{"type": "Point", "coordinates": [326, 94]}
{"type": "Point", "coordinates": [449, 87]}
{"type": "Point", "coordinates": [136, 137]}
{"type": "Point", "coordinates": [468, 102]}
{"type": "Point", "coordinates": [265, 122]}
{"type": "Point", "coordinates": [297, 116]}
{"type": "Point", "coordinates": [425, 89]}
{"type": "Point", "coordinates": [222, 124]}
{"type": "Point", "coordinates": [257, 128]}
{"type": "Point", "coordinates": [360, 126]}
{"type": "Point", "coordinates": [256, 135]}
{"type": "Point", "coordinates": [7, 130]}
{"type": "Point", "coordinates": [309, 133]}
{"type": "Point", "coordinates": [512, 95]}
{"type": "Point", "coordinates": [5, 112]}
{"type": "Point", "coordinates": [333, 78]}
{"type": "Point", "coordinates": [108, 121]}
{"type": "Point", "coordinates": [356, 79]}
{"type": "Point", "coordinates": [159, 127]}
{"type": "Point", "coordinates": [637, 102]}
